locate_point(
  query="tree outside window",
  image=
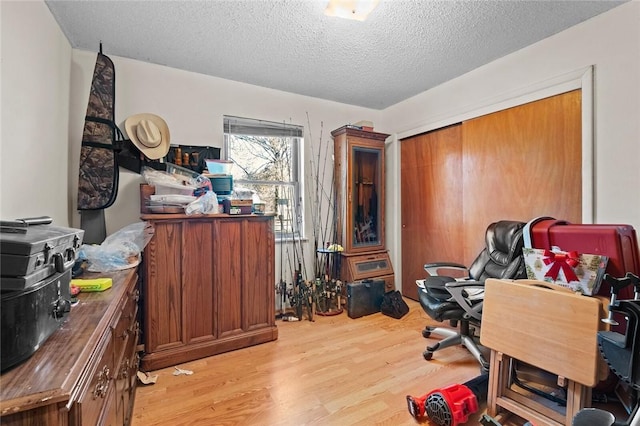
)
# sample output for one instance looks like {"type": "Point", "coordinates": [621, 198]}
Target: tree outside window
{"type": "Point", "coordinates": [266, 157]}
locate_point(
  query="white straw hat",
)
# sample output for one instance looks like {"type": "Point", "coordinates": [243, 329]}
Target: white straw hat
{"type": "Point", "coordinates": [149, 133]}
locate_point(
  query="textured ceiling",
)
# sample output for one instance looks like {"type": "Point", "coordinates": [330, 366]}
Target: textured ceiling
{"type": "Point", "coordinates": [404, 48]}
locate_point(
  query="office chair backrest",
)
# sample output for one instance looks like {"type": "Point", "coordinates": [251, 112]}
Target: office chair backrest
{"type": "Point", "coordinates": [502, 256]}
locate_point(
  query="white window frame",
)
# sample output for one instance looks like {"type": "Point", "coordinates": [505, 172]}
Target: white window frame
{"type": "Point", "coordinates": [255, 127]}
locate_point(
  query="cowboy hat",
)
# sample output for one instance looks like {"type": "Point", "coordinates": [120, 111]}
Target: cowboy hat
{"type": "Point", "coordinates": [149, 133]}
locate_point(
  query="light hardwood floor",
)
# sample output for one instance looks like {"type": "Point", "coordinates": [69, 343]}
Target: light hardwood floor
{"type": "Point", "coordinates": [333, 371]}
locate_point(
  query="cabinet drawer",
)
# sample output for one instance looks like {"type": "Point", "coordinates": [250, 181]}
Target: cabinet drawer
{"type": "Point", "coordinates": [124, 359]}
{"type": "Point", "coordinates": [359, 267]}
{"type": "Point", "coordinates": [124, 326]}
{"type": "Point", "coordinates": [126, 380]}
{"type": "Point", "coordinates": [127, 328]}
{"type": "Point", "coordinates": [95, 395]}
{"type": "Point", "coordinates": [108, 416]}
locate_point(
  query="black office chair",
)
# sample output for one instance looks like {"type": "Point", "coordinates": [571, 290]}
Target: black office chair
{"type": "Point", "coordinates": [459, 301]}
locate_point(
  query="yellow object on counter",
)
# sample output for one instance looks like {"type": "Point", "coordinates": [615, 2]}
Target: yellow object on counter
{"type": "Point", "coordinates": [95, 284]}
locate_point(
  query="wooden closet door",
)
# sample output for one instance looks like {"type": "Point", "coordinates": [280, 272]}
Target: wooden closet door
{"type": "Point", "coordinates": [431, 184]}
{"type": "Point", "coordinates": [521, 163]}
{"type": "Point", "coordinates": [518, 164]}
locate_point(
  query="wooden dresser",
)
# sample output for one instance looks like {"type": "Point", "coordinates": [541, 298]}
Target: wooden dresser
{"type": "Point", "coordinates": [85, 373]}
{"type": "Point", "coordinates": [208, 286]}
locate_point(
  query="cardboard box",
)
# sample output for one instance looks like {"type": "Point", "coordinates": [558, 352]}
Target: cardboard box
{"type": "Point", "coordinates": [579, 272]}
{"type": "Point", "coordinates": [236, 206]}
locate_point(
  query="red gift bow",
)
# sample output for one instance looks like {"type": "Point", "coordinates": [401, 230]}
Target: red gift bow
{"type": "Point", "coordinates": [565, 261]}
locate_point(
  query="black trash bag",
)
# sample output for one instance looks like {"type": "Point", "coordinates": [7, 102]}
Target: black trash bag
{"type": "Point", "coordinates": [393, 305]}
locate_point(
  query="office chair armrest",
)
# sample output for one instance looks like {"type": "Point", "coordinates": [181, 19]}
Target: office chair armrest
{"type": "Point", "coordinates": [469, 295]}
{"type": "Point", "coordinates": [432, 268]}
{"type": "Point", "coordinates": [465, 283]}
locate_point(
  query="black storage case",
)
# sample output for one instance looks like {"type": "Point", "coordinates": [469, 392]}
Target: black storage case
{"type": "Point", "coordinates": [35, 253]}
{"type": "Point", "coordinates": [36, 260]}
{"type": "Point", "coordinates": [29, 317]}
{"type": "Point", "coordinates": [364, 297]}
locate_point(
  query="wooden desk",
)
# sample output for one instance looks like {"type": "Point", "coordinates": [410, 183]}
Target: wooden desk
{"type": "Point", "coordinates": [85, 372]}
{"type": "Point", "coordinates": [550, 329]}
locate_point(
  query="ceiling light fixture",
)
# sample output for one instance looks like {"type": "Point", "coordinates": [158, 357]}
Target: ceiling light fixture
{"type": "Point", "coordinates": [350, 9]}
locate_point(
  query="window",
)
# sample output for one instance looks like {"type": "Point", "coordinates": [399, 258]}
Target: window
{"type": "Point", "coordinates": [267, 160]}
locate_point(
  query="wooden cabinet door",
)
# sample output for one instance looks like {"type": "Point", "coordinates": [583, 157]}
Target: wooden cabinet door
{"type": "Point", "coordinates": [359, 189]}
{"type": "Point", "coordinates": [244, 269]}
{"type": "Point", "coordinates": [163, 287]}
{"type": "Point", "coordinates": [258, 248]}
{"type": "Point", "coordinates": [197, 279]}
{"type": "Point", "coordinates": [228, 260]}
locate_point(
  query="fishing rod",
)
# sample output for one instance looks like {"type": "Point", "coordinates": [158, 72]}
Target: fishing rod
{"type": "Point", "coordinates": [315, 202]}
{"type": "Point", "coordinates": [290, 291]}
{"type": "Point", "coordinates": [281, 286]}
{"type": "Point", "coordinates": [300, 293]}
{"type": "Point", "coordinates": [330, 207]}
{"type": "Point", "coordinates": [294, 269]}
{"type": "Point", "coordinates": [305, 287]}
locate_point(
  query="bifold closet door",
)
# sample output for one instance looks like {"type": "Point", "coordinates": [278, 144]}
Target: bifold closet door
{"type": "Point", "coordinates": [517, 163]}
{"type": "Point", "coordinates": [431, 184]}
{"type": "Point", "coordinates": [521, 163]}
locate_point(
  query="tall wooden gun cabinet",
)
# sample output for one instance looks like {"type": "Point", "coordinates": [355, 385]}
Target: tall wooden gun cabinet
{"type": "Point", "coordinates": [207, 286]}
{"type": "Point", "coordinates": [360, 194]}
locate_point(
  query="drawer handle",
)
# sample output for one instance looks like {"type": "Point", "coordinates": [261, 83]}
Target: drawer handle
{"type": "Point", "coordinates": [134, 329]}
{"type": "Point", "coordinates": [124, 370]}
{"type": "Point", "coordinates": [100, 391]}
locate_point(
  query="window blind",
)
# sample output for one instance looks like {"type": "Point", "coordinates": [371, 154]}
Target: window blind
{"type": "Point", "coordinates": [253, 127]}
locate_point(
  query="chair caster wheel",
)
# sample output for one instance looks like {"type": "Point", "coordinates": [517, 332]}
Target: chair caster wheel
{"type": "Point", "coordinates": [426, 333]}
{"type": "Point", "coordinates": [427, 355]}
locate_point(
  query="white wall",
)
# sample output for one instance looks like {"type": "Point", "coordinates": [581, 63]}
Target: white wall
{"type": "Point", "coordinates": [34, 149]}
{"type": "Point", "coordinates": [45, 90]}
{"type": "Point", "coordinates": [611, 43]}
{"type": "Point", "coordinates": [45, 86]}
{"type": "Point", "coordinates": [193, 106]}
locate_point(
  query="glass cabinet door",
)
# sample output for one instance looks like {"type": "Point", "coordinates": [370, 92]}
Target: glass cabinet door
{"type": "Point", "coordinates": [366, 207]}
{"type": "Point", "coordinates": [359, 188]}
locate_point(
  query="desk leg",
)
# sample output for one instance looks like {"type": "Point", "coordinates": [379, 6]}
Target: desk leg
{"type": "Point", "coordinates": [578, 397]}
{"type": "Point", "coordinates": [494, 383]}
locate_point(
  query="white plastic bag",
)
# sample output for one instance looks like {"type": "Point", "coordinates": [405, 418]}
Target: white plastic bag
{"type": "Point", "coordinates": [205, 204]}
{"type": "Point", "coordinates": [120, 250]}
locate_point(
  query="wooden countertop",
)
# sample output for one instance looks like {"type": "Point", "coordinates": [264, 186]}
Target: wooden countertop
{"type": "Point", "coordinates": [158, 216]}
{"type": "Point", "coordinates": [51, 373]}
